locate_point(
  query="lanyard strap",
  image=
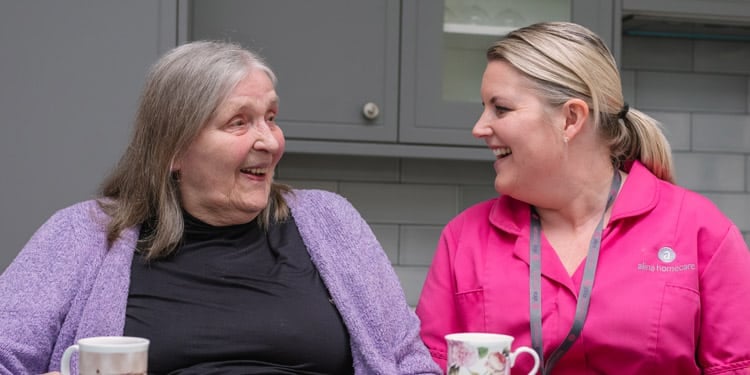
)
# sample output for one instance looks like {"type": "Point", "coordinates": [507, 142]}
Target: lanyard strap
{"type": "Point", "coordinates": [584, 295]}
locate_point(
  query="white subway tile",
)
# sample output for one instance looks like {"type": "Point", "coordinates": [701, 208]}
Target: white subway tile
{"type": "Point", "coordinates": [311, 184]}
{"type": "Point", "coordinates": [337, 167]}
{"type": "Point", "coordinates": [402, 203]}
{"type": "Point", "coordinates": [709, 172]}
{"type": "Point", "coordinates": [418, 243]}
{"type": "Point", "coordinates": [722, 56]}
{"type": "Point", "coordinates": [412, 281]}
{"type": "Point", "coordinates": [657, 54]}
{"type": "Point", "coordinates": [676, 127]}
{"type": "Point", "coordinates": [387, 235]}
{"type": "Point", "coordinates": [691, 92]}
{"type": "Point", "coordinates": [721, 132]}
{"type": "Point", "coordinates": [735, 206]}
{"type": "Point", "coordinates": [471, 195]}
{"type": "Point", "coordinates": [628, 86]}
{"type": "Point", "coordinates": [447, 171]}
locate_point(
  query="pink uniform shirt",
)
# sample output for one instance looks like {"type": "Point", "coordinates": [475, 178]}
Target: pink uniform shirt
{"type": "Point", "coordinates": [671, 294]}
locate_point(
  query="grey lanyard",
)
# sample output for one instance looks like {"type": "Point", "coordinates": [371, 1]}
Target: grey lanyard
{"type": "Point", "coordinates": [584, 295]}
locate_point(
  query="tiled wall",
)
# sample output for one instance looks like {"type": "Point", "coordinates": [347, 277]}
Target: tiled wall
{"type": "Point", "coordinates": [406, 201]}
{"type": "Point", "coordinates": [698, 89]}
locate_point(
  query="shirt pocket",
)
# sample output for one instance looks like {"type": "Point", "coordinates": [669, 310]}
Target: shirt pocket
{"type": "Point", "coordinates": [471, 313]}
{"type": "Point", "coordinates": [678, 322]}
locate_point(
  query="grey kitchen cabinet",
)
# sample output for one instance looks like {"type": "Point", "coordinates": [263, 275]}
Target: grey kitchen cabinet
{"type": "Point", "coordinates": [336, 60]}
{"type": "Point", "coordinates": [732, 11]}
{"type": "Point", "coordinates": [717, 20]}
{"type": "Point", "coordinates": [71, 73]}
{"type": "Point", "coordinates": [429, 111]}
{"type": "Point", "coordinates": [335, 56]}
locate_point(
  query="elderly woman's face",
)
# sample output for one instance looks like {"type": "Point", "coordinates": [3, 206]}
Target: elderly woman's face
{"type": "Point", "coordinates": [226, 173]}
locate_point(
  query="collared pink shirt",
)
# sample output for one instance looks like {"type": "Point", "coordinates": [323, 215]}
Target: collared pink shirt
{"type": "Point", "coordinates": [671, 294]}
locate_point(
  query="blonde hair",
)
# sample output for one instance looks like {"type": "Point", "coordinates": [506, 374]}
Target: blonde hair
{"type": "Point", "coordinates": [182, 92]}
{"type": "Point", "coordinates": [566, 60]}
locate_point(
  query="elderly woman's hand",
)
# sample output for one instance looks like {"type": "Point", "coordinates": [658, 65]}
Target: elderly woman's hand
{"type": "Point", "coordinates": [52, 373]}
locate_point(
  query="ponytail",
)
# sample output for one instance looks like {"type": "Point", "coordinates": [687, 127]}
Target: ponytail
{"type": "Point", "coordinates": [635, 136]}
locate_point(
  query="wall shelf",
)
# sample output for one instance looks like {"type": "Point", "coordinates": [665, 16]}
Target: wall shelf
{"type": "Point", "coordinates": [388, 150]}
{"type": "Point", "coordinates": [684, 28]}
{"type": "Point", "coordinates": [472, 29]}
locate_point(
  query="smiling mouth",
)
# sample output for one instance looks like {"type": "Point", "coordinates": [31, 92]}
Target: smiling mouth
{"type": "Point", "coordinates": [260, 172]}
{"type": "Point", "coordinates": [501, 152]}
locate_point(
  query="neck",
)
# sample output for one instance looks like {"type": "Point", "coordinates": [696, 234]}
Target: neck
{"type": "Point", "coordinates": [582, 202]}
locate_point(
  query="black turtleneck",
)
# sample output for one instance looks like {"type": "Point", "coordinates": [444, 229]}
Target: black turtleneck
{"type": "Point", "coordinates": [236, 300]}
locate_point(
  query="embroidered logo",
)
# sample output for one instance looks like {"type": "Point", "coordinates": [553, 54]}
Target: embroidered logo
{"type": "Point", "coordinates": [666, 255]}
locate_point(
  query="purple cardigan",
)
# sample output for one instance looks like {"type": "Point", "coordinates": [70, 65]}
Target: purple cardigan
{"type": "Point", "coordinates": [64, 285]}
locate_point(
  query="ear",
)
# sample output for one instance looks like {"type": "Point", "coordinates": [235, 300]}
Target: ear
{"type": "Point", "coordinates": [175, 165]}
{"type": "Point", "coordinates": [575, 113]}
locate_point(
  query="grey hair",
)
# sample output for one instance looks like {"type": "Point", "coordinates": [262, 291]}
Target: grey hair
{"type": "Point", "coordinates": [565, 60]}
{"type": "Point", "coordinates": [182, 92]}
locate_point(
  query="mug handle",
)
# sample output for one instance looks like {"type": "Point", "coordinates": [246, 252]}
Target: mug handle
{"type": "Point", "coordinates": [65, 360]}
{"type": "Point", "coordinates": [519, 350]}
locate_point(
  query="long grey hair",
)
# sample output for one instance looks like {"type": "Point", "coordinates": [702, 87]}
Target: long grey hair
{"type": "Point", "coordinates": [182, 91]}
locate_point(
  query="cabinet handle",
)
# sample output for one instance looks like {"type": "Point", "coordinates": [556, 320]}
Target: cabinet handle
{"type": "Point", "coordinates": [370, 110]}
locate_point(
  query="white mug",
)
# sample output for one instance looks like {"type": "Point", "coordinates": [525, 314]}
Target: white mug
{"type": "Point", "coordinates": [110, 355]}
{"type": "Point", "coordinates": [484, 353]}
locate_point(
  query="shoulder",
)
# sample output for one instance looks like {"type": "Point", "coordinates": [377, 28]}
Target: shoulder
{"type": "Point", "coordinates": [696, 220]}
{"type": "Point", "coordinates": [646, 195]}
{"type": "Point", "coordinates": [691, 206]}
{"type": "Point", "coordinates": [74, 222]}
{"type": "Point", "coordinates": [68, 245]}
{"type": "Point", "coordinates": [302, 196]}
{"type": "Point", "coordinates": [320, 208]}
{"type": "Point", "coordinates": [76, 235]}
{"type": "Point", "coordinates": [89, 211]}
{"type": "Point", "coordinates": [306, 200]}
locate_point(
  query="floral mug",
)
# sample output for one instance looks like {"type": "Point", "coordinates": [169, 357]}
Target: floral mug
{"type": "Point", "coordinates": [474, 353]}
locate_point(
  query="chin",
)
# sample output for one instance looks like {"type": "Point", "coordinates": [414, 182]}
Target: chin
{"type": "Point", "coordinates": [251, 205]}
{"type": "Point", "coordinates": [256, 207]}
{"type": "Point", "coordinates": [501, 187]}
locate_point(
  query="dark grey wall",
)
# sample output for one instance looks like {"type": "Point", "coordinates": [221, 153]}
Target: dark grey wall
{"type": "Point", "coordinates": [70, 76]}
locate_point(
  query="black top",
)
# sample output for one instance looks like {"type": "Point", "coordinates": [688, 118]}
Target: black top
{"type": "Point", "coordinates": [236, 300]}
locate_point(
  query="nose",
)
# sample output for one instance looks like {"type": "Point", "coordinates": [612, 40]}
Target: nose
{"type": "Point", "coordinates": [266, 140]}
{"type": "Point", "coordinates": [481, 129]}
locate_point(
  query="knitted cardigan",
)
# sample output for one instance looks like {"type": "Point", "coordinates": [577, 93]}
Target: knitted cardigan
{"type": "Point", "coordinates": [65, 285]}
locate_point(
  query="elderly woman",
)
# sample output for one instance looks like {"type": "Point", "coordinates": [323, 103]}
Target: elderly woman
{"type": "Point", "coordinates": [591, 255]}
{"type": "Point", "coordinates": [195, 247]}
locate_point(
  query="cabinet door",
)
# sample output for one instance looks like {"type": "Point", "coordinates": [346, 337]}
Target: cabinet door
{"type": "Point", "coordinates": [443, 57]}
{"type": "Point", "coordinates": [332, 57]}
{"type": "Point", "coordinates": [70, 76]}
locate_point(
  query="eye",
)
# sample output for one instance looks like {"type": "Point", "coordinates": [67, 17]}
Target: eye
{"type": "Point", "coordinates": [500, 110]}
{"type": "Point", "coordinates": [236, 123]}
{"type": "Point", "coordinates": [271, 117]}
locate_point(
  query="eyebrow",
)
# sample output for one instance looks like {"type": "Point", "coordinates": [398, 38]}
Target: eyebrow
{"type": "Point", "coordinates": [234, 107]}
